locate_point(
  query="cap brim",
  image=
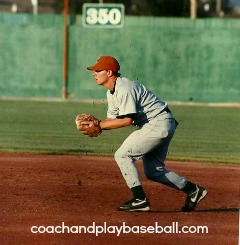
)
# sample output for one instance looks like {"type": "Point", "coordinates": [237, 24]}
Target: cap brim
{"type": "Point", "coordinates": [91, 68]}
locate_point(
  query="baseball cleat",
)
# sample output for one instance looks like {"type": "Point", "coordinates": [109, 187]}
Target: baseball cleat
{"type": "Point", "coordinates": [135, 205]}
{"type": "Point", "coordinates": [193, 199]}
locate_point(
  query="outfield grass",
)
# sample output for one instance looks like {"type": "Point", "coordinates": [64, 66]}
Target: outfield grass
{"type": "Point", "coordinates": [205, 133]}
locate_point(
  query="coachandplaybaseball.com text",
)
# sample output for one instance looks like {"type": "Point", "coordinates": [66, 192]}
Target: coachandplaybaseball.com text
{"type": "Point", "coordinates": [96, 230]}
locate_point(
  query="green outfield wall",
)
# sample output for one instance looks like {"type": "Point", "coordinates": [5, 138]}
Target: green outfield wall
{"type": "Point", "coordinates": [177, 58]}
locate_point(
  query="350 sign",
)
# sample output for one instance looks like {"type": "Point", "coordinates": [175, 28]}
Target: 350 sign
{"type": "Point", "coordinates": [103, 15]}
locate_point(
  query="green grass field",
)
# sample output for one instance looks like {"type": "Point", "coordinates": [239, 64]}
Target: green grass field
{"type": "Point", "coordinates": [208, 134]}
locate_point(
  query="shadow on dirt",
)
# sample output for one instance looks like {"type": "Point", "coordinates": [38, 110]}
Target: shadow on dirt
{"type": "Point", "coordinates": [216, 210]}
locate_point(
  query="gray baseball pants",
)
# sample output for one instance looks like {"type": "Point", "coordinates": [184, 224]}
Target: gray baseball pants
{"type": "Point", "coordinates": [149, 142]}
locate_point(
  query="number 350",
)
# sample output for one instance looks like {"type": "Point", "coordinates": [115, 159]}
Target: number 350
{"type": "Point", "coordinates": [103, 16]}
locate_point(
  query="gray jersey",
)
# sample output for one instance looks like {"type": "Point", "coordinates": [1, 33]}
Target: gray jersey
{"type": "Point", "coordinates": [130, 97]}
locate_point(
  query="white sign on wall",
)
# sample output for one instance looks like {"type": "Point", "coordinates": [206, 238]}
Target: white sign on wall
{"type": "Point", "coordinates": [103, 15]}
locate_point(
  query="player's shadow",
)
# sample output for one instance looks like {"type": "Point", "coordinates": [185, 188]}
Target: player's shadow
{"type": "Point", "coordinates": [210, 210]}
{"type": "Point", "coordinates": [219, 210]}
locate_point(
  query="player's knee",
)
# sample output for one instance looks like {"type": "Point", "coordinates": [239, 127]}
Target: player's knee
{"type": "Point", "coordinates": [150, 176]}
{"type": "Point", "coordinates": [155, 174]}
{"type": "Point", "coordinates": [119, 155]}
{"type": "Point", "coordinates": [122, 156]}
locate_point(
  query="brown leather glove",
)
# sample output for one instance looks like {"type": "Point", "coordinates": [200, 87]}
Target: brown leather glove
{"type": "Point", "coordinates": [88, 124]}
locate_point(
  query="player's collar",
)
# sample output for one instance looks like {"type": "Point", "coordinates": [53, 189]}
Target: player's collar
{"type": "Point", "coordinates": [113, 90]}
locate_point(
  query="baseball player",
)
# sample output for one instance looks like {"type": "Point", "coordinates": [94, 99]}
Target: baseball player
{"type": "Point", "coordinates": [131, 103]}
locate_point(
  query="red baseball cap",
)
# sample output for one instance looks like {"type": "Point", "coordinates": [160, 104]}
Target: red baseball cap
{"type": "Point", "coordinates": [105, 63]}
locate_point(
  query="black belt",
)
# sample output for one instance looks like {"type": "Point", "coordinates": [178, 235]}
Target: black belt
{"type": "Point", "coordinates": [166, 109]}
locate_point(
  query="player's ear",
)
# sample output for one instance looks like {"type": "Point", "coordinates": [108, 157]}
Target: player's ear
{"type": "Point", "coordinates": [110, 73]}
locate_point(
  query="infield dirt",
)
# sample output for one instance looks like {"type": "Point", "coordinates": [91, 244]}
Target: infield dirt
{"type": "Point", "coordinates": [46, 190]}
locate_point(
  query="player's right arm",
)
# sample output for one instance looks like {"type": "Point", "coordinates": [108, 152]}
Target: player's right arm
{"type": "Point", "coordinates": [114, 123]}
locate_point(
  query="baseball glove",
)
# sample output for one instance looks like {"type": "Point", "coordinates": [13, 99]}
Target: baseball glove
{"type": "Point", "coordinates": [88, 124]}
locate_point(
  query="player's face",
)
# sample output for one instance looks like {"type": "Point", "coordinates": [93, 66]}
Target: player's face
{"type": "Point", "coordinates": [101, 77]}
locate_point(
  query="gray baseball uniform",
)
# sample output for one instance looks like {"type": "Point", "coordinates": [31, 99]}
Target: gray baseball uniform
{"type": "Point", "coordinates": [150, 141]}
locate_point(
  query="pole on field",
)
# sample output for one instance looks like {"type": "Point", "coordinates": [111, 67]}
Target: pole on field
{"type": "Point", "coordinates": [219, 10]}
{"type": "Point", "coordinates": [35, 6]}
{"type": "Point", "coordinates": [193, 9]}
{"type": "Point", "coordinates": [65, 51]}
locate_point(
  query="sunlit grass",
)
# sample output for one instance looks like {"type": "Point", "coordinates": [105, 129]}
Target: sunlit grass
{"type": "Point", "coordinates": [205, 133]}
